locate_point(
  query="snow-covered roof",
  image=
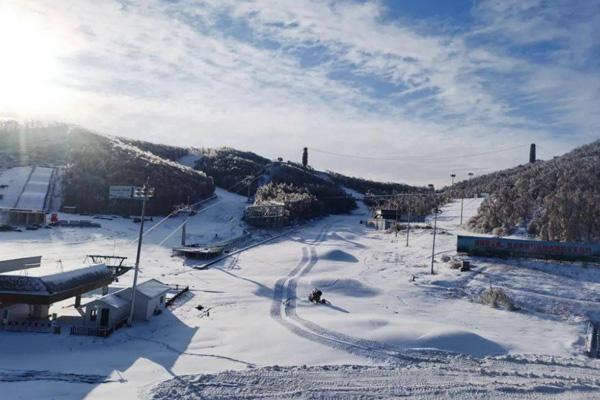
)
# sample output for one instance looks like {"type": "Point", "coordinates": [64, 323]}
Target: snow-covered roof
{"type": "Point", "coordinates": [77, 277]}
{"type": "Point", "coordinates": [56, 283]}
{"type": "Point", "coordinates": [22, 285]}
{"type": "Point", "coordinates": [112, 300]}
{"type": "Point", "coordinates": [153, 288]}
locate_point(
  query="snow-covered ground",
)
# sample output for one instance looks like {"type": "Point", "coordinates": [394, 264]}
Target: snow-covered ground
{"type": "Point", "coordinates": [390, 329]}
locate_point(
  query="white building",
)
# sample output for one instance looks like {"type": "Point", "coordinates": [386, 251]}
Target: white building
{"type": "Point", "coordinates": [111, 311]}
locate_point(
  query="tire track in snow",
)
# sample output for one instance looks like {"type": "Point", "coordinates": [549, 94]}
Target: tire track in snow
{"type": "Point", "coordinates": [283, 310]}
{"type": "Point", "coordinates": [382, 382]}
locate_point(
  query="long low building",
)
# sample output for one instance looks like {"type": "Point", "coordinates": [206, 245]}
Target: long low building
{"type": "Point", "coordinates": [503, 247]}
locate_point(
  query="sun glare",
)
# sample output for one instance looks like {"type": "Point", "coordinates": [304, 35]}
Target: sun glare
{"type": "Point", "coordinates": [28, 65]}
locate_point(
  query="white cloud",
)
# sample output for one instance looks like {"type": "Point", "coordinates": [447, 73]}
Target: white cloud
{"type": "Point", "coordinates": [171, 72]}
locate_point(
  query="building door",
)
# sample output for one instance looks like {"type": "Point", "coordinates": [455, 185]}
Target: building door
{"type": "Point", "coordinates": [104, 317]}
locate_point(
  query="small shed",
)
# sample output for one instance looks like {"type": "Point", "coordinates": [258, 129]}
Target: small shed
{"type": "Point", "coordinates": [151, 299]}
{"type": "Point", "coordinates": [107, 312]}
{"type": "Point", "coordinates": [110, 311]}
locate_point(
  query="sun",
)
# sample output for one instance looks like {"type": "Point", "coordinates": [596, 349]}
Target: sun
{"type": "Point", "coordinates": [28, 62]}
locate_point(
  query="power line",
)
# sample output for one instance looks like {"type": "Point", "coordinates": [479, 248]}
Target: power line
{"type": "Point", "coordinates": [243, 181]}
{"type": "Point", "coordinates": [417, 158]}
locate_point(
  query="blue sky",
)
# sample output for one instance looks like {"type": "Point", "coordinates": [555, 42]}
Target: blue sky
{"type": "Point", "coordinates": [416, 84]}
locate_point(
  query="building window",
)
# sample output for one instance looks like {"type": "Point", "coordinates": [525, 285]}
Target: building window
{"type": "Point", "coordinates": [93, 314]}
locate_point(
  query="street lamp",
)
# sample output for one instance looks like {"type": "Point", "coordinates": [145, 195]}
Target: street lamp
{"type": "Point", "coordinates": [453, 176]}
{"type": "Point", "coordinates": [144, 193]}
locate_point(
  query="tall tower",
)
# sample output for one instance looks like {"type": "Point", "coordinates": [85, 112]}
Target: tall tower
{"type": "Point", "coordinates": [532, 156]}
{"type": "Point", "coordinates": [305, 157]}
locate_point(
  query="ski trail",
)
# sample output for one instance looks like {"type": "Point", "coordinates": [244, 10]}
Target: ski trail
{"type": "Point", "coordinates": [283, 310]}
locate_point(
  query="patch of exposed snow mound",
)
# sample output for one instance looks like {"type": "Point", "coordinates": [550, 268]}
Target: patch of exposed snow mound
{"type": "Point", "coordinates": [459, 341]}
{"type": "Point", "coordinates": [338, 255]}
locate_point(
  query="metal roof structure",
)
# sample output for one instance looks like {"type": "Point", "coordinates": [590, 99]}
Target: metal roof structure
{"type": "Point", "coordinates": [122, 298]}
{"type": "Point", "coordinates": [112, 300]}
{"type": "Point", "coordinates": [200, 252]}
{"type": "Point", "coordinates": [152, 288]}
{"type": "Point", "coordinates": [52, 288]}
{"type": "Point", "coordinates": [18, 264]}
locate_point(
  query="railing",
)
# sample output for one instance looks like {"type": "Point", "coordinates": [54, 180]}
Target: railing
{"type": "Point", "coordinates": [101, 332]}
{"type": "Point", "coordinates": [179, 293]}
{"type": "Point", "coordinates": [86, 331]}
{"type": "Point", "coordinates": [26, 326]}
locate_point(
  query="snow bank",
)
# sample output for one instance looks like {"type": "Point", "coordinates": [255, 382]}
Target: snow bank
{"type": "Point", "coordinates": [459, 341]}
{"type": "Point", "coordinates": [339, 255]}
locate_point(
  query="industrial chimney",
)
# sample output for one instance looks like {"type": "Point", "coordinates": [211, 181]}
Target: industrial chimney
{"type": "Point", "coordinates": [305, 157]}
{"type": "Point", "coordinates": [532, 156]}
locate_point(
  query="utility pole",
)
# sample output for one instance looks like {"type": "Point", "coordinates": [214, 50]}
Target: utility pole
{"type": "Point", "coordinates": [408, 222]}
{"type": "Point", "coordinates": [144, 193]}
{"type": "Point", "coordinates": [462, 201]}
{"type": "Point", "coordinates": [435, 210]}
{"type": "Point", "coordinates": [249, 187]}
{"type": "Point", "coordinates": [470, 176]}
{"type": "Point", "coordinates": [397, 226]}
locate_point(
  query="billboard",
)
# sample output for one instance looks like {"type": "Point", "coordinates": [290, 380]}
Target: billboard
{"type": "Point", "coordinates": [120, 192]}
{"type": "Point", "coordinates": [492, 246]}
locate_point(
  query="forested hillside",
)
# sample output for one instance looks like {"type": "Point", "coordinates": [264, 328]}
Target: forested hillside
{"type": "Point", "coordinates": [233, 170]}
{"type": "Point", "coordinates": [94, 162]}
{"type": "Point", "coordinates": [167, 152]}
{"type": "Point", "coordinates": [367, 186]}
{"type": "Point", "coordinates": [244, 172]}
{"type": "Point", "coordinates": [557, 199]}
{"type": "Point", "coordinates": [331, 197]}
{"type": "Point", "coordinates": [403, 198]}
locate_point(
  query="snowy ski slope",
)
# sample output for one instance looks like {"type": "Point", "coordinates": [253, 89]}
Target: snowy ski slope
{"type": "Point", "coordinates": [35, 191]}
{"type": "Point", "coordinates": [390, 329]}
